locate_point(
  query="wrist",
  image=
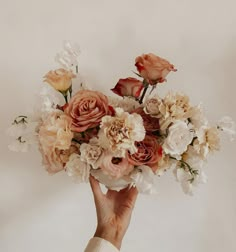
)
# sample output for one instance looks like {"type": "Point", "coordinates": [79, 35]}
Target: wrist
{"type": "Point", "coordinates": [111, 234]}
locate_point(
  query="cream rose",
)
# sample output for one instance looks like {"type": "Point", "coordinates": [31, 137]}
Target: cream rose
{"type": "Point", "coordinates": [128, 87]}
{"type": "Point", "coordinates": [60, 79]}
{"type": "Point", "coordinates": [87, 108]}
{"type": "Point", "coordinates": [153, 68]}
{"type": "Point", "coordinates": [178, 139]}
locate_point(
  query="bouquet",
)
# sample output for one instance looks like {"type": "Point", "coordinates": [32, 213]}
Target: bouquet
{"type": "Point", "coordinates": [126, 140]}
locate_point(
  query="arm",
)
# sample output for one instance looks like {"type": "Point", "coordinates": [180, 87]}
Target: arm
{"type": "Point", "coordinates": [114, 210]}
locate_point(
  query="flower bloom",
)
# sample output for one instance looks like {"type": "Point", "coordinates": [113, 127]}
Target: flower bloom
{"type": "Point", "coordinates": [150, 123]}
{"type": "Point", "coordinates": [128, 87]}
{"type": "Point", "coordinates": [55, 140]}
{"type": "Point", "coordinates": [153, 68]}
{"type": "Point", "coordinates": [115, 167]}
{"type": "Point", "coordinates": [120, 132]}
{"type": "Point", "coordinates": [60, 79]}
{"type": "Point", "coordinates": [87, 108]}
{"type": "Point", "coordinates": [77, 169]}
{"type": "Point", "coordinates": [207, 140]}
{"type": "Point", "coordinates": [91, 153]}
{"type": "Point", "coordinates": [149, 152]}
{"type": "Point", "coordinates": [178, 139]}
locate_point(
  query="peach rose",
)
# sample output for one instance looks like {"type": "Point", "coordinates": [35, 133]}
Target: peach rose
{"type": "Point", "coordinates": [60, 79]}
{"type": "Point", "coordinates": [86, 108]}
{"type": "Point", "coordinates": [128, 87]}
{"type": "Point", "coordinates": [153, 68]}
{"type": "Point", "coordinates": [115, 167]}
{"type": "Point", "coordinates": [55, 138]}
{"type": "Point", "coordinates": [149, 153]}
{"type": "Point", "coordinates": [150, 123]}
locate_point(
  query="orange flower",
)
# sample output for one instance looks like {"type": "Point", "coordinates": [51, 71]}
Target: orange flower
{"type": "Point", "coordinates": [153, 68]}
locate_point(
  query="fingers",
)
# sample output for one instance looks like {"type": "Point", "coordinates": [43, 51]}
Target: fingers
{"type": "Point", "coordinates": [96, 189]}
{"type": "Point", "coordinates": [133, 193]}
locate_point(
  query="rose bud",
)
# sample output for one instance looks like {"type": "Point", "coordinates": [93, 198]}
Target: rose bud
{"type": "Point", "coordinates": [128, 87]}
{"type": "Point", "coordinates": [153, 68]}
{"type": "Point", "coordinates": [60, 79]}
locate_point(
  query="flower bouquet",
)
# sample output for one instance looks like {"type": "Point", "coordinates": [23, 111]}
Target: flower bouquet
{"type": "Point", "coordinates": [123, 141]}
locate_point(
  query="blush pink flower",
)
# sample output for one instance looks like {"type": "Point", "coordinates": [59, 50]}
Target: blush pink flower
{"type": "Point", "coordinates": [55, 138]}
{"type": "Point", "coordinates": [128, 87]}
{"type": "Point", "coordinates": [153, 68]}
{"type": "Point", "coordinates": [148, 153]}
{"type": "Point", "coordinates": [115, 167]}
{"type": "Point", "coordinates": [150, 123]}
{"type": "Point", "coordinates": [86, 109]}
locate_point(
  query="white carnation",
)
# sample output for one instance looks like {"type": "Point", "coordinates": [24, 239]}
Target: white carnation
{"type": "Point", "coordinates": [120, 132]}
{"type": "Point", "coordinates": [178, 139]}
{"type": "Point", "coordinates": [197, 116]}
{"type": "Point", "coordinates": [207, 140]}
{"type": "Point", "coordinates": [77, 169]}
{"type": "Point", "coordinates": [143, 178]}
{"type": "Point", "coordinates": [91, 153]}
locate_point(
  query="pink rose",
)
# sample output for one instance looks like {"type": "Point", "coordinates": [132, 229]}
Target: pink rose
{"type": "Point", "coordinates": [86, 108]}
{"type": "Point", "coordinates": [115, 167]}
{"type": "Point", "coordinates": [153, 68]}
{"type": "Point", "coordinates": [150, 123]}
{"type": "Point", "coordinates": [128, 87]}
{"type": "Point", "coordinates": [149, 153]}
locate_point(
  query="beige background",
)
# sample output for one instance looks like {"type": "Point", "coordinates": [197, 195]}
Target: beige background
{"type": "Point", "coordinates": [42, 213]}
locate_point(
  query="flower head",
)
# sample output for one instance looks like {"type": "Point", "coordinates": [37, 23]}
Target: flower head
{"type": "Point", "coordinates": [119, 133]}
{"type": "Point", "coordinates": [60, 79]}
{"type": "Point", "coordinates": [153, 68]}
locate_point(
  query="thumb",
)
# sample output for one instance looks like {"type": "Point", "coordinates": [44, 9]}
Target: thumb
{"type": "Point", "coordinates": [96, 189]}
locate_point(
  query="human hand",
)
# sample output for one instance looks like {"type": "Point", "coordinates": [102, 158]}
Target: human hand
{"type": "Point", "coordinates": [114, 211]}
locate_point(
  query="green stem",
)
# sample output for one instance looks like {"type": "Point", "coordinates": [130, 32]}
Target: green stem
{"type": "Point", "coordinates": [144, 91]}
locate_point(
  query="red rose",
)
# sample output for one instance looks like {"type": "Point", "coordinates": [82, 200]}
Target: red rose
{"type": "Point", "coordinates": [150, 123]}
{"type": "Point", "coordinates": [128, 87]}
{"type": "Point", "coordinates": [153, 68]}
{"type": "Point", "coordinates": [149, 153]}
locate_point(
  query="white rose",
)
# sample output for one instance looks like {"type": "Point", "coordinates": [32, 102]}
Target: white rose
{"type": "Point", "coordinates": [91, 153]}
{"type": "Point", "coordinates": [77, 169]}
{"type": "Point", "coordinates": [143, 179]}
{"type": "Point", "coordinates": [178, 139]}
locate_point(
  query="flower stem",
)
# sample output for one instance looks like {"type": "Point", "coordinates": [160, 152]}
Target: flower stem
{"type": "Point", "coordinates": [144, 91]}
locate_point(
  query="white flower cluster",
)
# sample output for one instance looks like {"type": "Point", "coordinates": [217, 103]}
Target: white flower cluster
{"type": "Point", "coordinates": [188, 137]}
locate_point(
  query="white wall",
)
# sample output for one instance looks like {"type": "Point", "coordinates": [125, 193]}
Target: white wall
{"type": "Point", "coordinates": [42, 213]}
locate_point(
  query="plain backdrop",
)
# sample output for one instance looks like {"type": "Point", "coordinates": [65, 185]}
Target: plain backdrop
{"type": "Point", "coordinates": [50, 213]}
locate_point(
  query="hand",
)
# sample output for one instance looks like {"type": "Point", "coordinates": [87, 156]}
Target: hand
{"type": "Point", "coordinates": [114, 211]}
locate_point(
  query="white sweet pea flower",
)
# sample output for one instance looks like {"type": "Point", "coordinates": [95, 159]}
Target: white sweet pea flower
{"type": "Point", "coordinates": [227, 125]}
{"type": "Point", "coordinates": [18, 127]}
{"type": "Point", "coordinates": [178, 139]}
{"type": "Point", "coordinates": [110, 182]}
{"type": "Point", "coordinates": [77, 169]}
{"type": "Point", "coordinates": [143, 179]}
{"type": "Point", "coordinates": [20, 145]}
{"type": "Point", "coordinates": [69, 56]}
